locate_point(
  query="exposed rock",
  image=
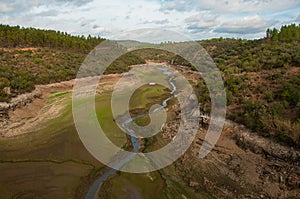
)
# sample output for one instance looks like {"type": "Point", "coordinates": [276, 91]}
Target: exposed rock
{"type": "Point", "coordinates": [7, 90]}
{"type": "Point", "coordinates": [261, 145]}
{"type": "Point", "coordinates": [241, 165]}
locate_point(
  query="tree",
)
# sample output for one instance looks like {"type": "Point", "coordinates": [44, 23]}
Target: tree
{"type": "Point", "coordinates": [14, 36]}
{"type": "Point", "coordinates": [275, 35]}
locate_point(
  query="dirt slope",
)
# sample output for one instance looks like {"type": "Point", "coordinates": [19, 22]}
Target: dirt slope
{"type": "Point", "coordinates": [242, 165]}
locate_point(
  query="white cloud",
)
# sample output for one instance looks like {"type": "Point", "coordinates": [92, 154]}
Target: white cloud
{"type": "Point", "coordinates": [163, 21]}
{"type": "Point", "coordinates": [4, 8]}
{"type": "Point", "coordinates": [228, 6]}
{"type": "Point", "coordinates": [196, 18]}
{"type": "Point", "coordinates": [153, 35]}
{"type": "Point", "coordinates": [246, 25]}
{"type": "Point", "coordinates": [201, 22]}
{"type": "Point", "coordinates": [298, 18]}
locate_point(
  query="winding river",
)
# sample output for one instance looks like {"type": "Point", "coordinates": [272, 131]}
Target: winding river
{"type": "Point", "coordinates": [95, 187]}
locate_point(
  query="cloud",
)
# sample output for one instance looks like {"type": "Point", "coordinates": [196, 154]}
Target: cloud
{"type": "Point", "coordinates": [8, 6]}
{"type": "Point", "coordinates": [48, 13]}
{"type": "Point", "coordinates": [249, 24]}
{"type": "Point", "coordinates": [5, 8]}
{"type": "Point", "coordinates": [19, 6]}
{"type": "Point", "coordinates": [201, 22]}
{"type": "Point", "coordinates": [95, 26]}
{"type": "Point", "coordinates": [298, 19]}
{"type": "Point", "coordinates": [75, 2]}
{"type": "Point", "coordinates": [227, 6]}
{"type": "Point", "coordinates": [153, 35]}
{"type": "Point", "coordinates": [178, 5]}
{"type": "Point", "coordinates": [196, 18]}
{"type": "Point", "coordinates": [85, 22]}
{"type": "Point", "coordinates": [160, 22]}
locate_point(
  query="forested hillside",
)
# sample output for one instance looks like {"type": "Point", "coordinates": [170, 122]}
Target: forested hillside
{"type": "Point", "coordinates": [262, 77]}
{"type": "Point", "coordinates": [31, 56]}
{"type": "Point", "coordinates": [286, 33]}
{"type": "Point", "coordinates": [15, 36]}
{"type": "Point", "coordinates": [262, 80]}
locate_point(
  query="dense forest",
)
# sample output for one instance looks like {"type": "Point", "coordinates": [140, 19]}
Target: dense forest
{"type": "Point", "coordinates": [262, 77]}
{"type": "Point", "coordinates": [30, 56]}
{"type": "Point", "coordinates": [15, 36]}
{"type": "Point", "coordinates": [286, 33]}
{"type": "Point", "coordinates": [262, 80]}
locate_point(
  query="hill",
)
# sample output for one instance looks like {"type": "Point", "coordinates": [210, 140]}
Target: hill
{"type": "Point", "coordinates": [40, 149]}
{"type": "Point", "coordinates": [262, 80]}
{"type": "Point", "coordinates": [262, 76]}
{"type": "Point", "coordinates": [31, 56]}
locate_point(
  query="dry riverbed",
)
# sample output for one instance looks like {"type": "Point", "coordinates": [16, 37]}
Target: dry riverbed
{"type": "Point", "coordinates": [242, 165]}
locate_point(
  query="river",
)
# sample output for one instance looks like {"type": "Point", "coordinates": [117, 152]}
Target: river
{"type": "Point", "coordinates": [95, 187]}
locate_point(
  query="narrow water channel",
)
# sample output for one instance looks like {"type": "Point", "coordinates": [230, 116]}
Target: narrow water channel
{"type": "Point", "coordinates": [95, 187]}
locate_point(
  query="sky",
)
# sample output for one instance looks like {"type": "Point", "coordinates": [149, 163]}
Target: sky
{"type": "Point", "coordinates": [132, 19]}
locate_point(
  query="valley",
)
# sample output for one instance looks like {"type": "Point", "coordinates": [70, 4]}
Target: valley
{"type": "Point", "coordinates": [43, 148]}
{"type": "Point", "coordinates": [42, 155]}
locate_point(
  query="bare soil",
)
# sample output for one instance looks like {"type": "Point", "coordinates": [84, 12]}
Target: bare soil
{"type": "Point", "coordinates": [31, 111]}
{"type": "Point", "coordinates": [242, 165]}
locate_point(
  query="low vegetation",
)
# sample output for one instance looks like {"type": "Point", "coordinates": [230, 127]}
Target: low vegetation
{"type": "Point", "coordinates": [31, 56]}
{"type": "Point", "coordinates": [15, 36]}
{"type": "Point", "coordinates": [262, 80]}
{"type": "Point", "coordinates": [262, 77]}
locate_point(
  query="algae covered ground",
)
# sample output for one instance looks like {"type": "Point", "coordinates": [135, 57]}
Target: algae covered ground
{"type": "Point", "coordinates": [52, 162]}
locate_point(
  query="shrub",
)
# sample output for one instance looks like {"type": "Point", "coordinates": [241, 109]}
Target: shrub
{"type": "Point", "coordinates": [269, 96]}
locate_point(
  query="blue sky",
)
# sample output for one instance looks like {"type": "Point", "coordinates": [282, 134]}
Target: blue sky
{"type": "Point", "coordinates": [196, 19]}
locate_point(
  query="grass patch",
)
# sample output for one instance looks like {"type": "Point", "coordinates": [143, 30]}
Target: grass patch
{"type": "Point", "coordinates": [105, 118]}
{"type": "Point", "coordinates": [57, 95]}
{"type": "Point", "coordinates": [146, 96]}
{"type": "Point", "coordinates": [48, 163]}
{"type": "Point", "coordinates": [127, 185]}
